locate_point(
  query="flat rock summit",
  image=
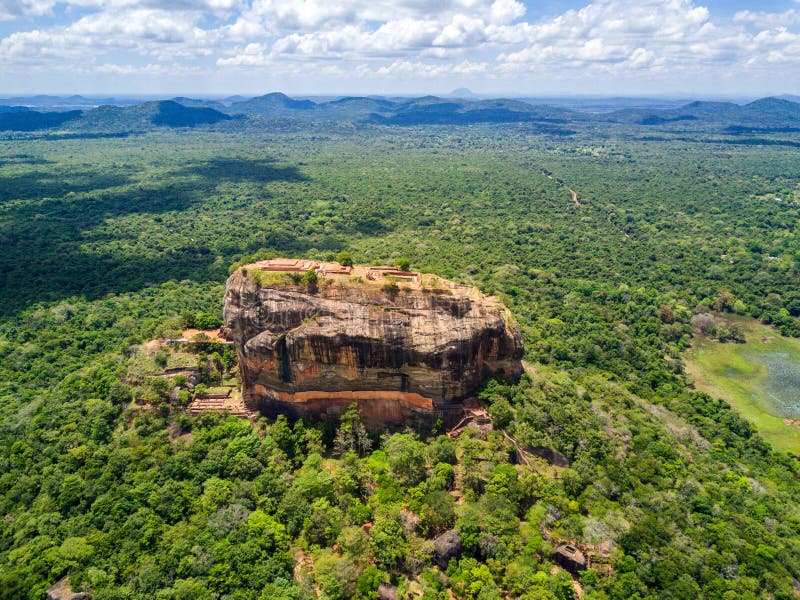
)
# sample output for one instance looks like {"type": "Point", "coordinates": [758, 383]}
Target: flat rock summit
{"type": "Point", "coordinates": [313, 337]}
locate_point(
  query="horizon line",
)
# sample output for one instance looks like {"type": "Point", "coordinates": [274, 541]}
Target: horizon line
{"type": "Point", "coordinates": [482, 95]}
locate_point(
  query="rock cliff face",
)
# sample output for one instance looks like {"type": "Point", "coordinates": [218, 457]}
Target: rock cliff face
{"type": "Point", "coordinates": [404, 348]}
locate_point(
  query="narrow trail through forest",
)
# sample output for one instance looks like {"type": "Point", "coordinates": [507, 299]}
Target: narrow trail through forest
{"type": "Point", "coordinates": [576, 200]}
{"type": "Point", "coordinates": [572, 192]}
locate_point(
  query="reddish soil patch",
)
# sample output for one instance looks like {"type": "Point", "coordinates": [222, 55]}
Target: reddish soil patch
{"type": "Point", "coordinates": [212, 334]}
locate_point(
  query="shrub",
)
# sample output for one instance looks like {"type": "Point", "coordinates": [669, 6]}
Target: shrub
{"type": "Point", "coordinates": [344, 258]}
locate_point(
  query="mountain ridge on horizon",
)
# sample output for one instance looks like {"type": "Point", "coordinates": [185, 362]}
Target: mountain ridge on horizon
{"type": "Point", "coordinates": [773, 113]}
{"type": "Point", "coordinates": [464, 93]}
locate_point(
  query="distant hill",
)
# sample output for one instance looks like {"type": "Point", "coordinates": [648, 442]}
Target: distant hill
{"type": "Point", "coordinates": [43, 100]}
{"type": "Point", "coordinates": [767, 115]}
{"type": "Point", "coordinates": [172, 114]}
{"type": "Point", "coordinates": [31, 120]}
{"type": "Point", "coordinates": [773, 108]}
{"type": "Point", "coordinates": [274, 104]}
{"type": "Point", "coordinates": [464, 93]}
{"type": "Point", "coordinates": [431, 110]}
{"type": "Point", "coordinates": [46, 103]}
{"type": "Point", "coordinates": [360, 103]}
{"type": "Point", "coordinates": [694, 111]}
{"type": "Point", "coordinates": [200, 103]}
{"type": "Point", "coordinates": [710, 110]}
{"type": "Point", "coordinates": [605, 104]}
{"type": "Point", "coordinates": [426, 110]}
{"type": "Point", "coordinates": [353, 108]}
{"type": "Point", "coordinates": [13, 109]}
{"type": "Point", "coordinates": [112, 118]}
{"type": "Point", "coordinates": [163, 113]}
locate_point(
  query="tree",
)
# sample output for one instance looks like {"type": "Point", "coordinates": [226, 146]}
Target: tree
{"type": "Point", "coordinates": [703, 323]}
{"type": "Point", "coordinates": [438, 511]}
{"type": "Point", "coordinates": [310, 280]}
{"type": "Point", "coordinates": [388, 539]}
{"type": "Point", "coordinates": [502, 413]}
{"type": "Point", "coordinates": [354, 541]}
{"type": "Point", "coordinates": [351, 436]}
{"type": "Point", "coordinates": [442, 450]}
{"type": "Point", "coordinates": [369, 582]}
{"type": "Point", "coordinates": [504, 481]}
{"type": "Point", "coordinates": [472, 580]}
{"type": "Point", "coordinates": [666, 314]}
{"type": "Point", "coordinates": [191, 589]}
{"type": "Point", "coordinates": [324, 523]}
{"type": "Point", "coordinates": [406, 458]}
{"type": "Point", "coordinates": [184, 397]}
{"type": "Point", "coordinates": [403, 264]}
{"type": "Point", "coordinates": [284, 437]}
{"type": "Point", "coordinates": [267, 531]}
{"type": "Point", "coordinates": [336, 575]}
{"type": "Point", "coordinates": [207, 321]}
{"type": "Point", "coordinates": [344, 258]}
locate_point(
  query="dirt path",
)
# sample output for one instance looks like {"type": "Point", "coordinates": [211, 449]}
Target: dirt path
{"type": "Point", "coordinates": [213, 335]}
{"type": "Point", "coordinates": [575, 200]}
{"type": "Point", "coordinates": [574, 194]}
{"type": "Point", "coordinates": [304, 570]}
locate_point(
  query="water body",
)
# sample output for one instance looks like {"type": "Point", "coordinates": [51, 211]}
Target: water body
{"type": "Point", "coordinates": [781, 383]}
{"type": "Point", "coordinates": [760, 379]}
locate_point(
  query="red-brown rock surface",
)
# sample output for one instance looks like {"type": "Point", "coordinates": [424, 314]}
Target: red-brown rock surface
{"type": "Point", "coordinates": [400, 345]}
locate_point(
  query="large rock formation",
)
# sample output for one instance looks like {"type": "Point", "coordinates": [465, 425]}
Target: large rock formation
{"type": "Point", "coordinates": [447, 546]}
{"type": "Point", "coordinates": [313, 337]}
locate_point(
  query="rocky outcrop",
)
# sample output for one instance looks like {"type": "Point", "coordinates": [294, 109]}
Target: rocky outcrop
{"type": "Point", "coordinates": [62, 591]}
{"type": "Point", "coordinates": [402, 346]}
{"type": "Point", "coordinates": [571, 558]}
{"type": "Point", "coordinates": [388, 592]}
{"type": "Point", "coordinates": [447, 546]}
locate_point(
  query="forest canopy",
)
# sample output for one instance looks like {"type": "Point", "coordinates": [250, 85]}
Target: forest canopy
{"type": "Point", "coordinates": [110, 242]}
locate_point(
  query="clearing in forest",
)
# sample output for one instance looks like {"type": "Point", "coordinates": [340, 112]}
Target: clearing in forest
{"type": "Point", "coordinates": [760, 379]}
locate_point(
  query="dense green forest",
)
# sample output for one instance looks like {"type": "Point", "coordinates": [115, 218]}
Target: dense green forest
{"type": "Point", "coordinates": [111, 241]}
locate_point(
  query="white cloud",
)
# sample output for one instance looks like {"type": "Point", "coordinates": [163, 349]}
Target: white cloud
{"type": "Point", "coordinates": [165, 35]}
{"type": "Point", "coordinates": [461, 31]}
{"type": "Point", "coordinates": [394, 38]}
{"type": "Point", "coordinates": [506, 11]}
{"type": "Point", "coordinates": [617, 36]}
{"type": "Point", "coordinates": [142, 24]}
{"type": "Point", "coordinates": [251, 55]}
{"type": "Point", "coordinates": [768, 20]}
{"type": "Point", "coordinates": [401, 34]}
{"type": "Point", "coordinates": [405, 68]}
{"type": "Point", "coordinates": [148, 69]}
{"type": "Point", "coordinates": [777, 45]}
{"type": "Point", "coordinates": [13, 9]}
{"type": "Point", "coordinates": [304, 14]}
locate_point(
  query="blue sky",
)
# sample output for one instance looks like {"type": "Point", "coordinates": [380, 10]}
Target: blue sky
{"type": "Point", "coordinates": [588, 47]}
